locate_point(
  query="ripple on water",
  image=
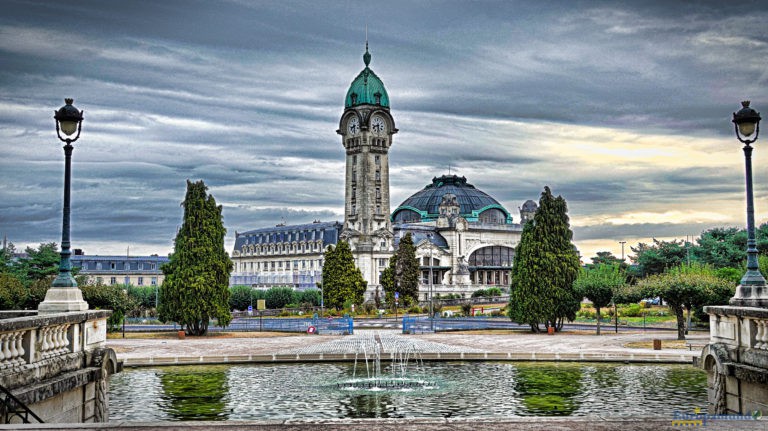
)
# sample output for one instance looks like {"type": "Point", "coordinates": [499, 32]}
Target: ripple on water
{"type": "Point", "coordinates": [465, 389]}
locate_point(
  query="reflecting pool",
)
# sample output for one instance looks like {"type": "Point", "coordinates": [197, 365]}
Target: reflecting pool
{"type": "Point", "coordinates": [461, 389]}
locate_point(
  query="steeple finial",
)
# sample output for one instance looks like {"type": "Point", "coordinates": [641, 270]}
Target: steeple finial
{"type": "Point", "coordinates": [367, 55]}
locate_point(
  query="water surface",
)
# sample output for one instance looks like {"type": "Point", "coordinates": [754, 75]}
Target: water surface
{"type": "Point", "coordinates": [464, 389]}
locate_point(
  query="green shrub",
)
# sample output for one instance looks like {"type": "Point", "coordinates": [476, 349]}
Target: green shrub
{"type": "Point", "coordinates": [631, 310]}
{"type": "Point", "coordinates": [479, 293]}
{"type": "Point", "coordinates": [312, 296]}
{"type": "Point", "coordinates": [587, 313]}
{"type": "Point", "coordinates": [414, 309]}
{"type": "Point", "coordinates": [466, 309]}
{"type": "Point", "coordinates": [493, 291]}
{"type": "Point", "coordinates": [369, 308]}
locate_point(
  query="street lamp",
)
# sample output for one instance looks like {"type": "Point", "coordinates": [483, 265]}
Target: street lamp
{"type": "Point", "coordinates": [431, 311]}
{"type": "Point", "coordinates": [752, 290]}
{"type": "Point", "coordinates": [64, 296]}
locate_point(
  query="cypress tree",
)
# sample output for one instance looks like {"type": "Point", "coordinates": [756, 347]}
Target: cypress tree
{"type": "Point", "coordinates": [407, 271]}
{"type": "Point", "coordinates": [196, 285]}
{"type": "Point", "coordinates": [342, 280]}
{"type": "Point", "coordinates": [545, 266]}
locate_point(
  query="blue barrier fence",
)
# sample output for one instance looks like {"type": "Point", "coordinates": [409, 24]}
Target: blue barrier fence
{"type": "Point", "coordinates": [414, 325]}
{"type": "Point", "coordinates": [338, 325]}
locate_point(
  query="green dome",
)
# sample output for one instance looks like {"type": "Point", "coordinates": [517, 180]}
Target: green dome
{"type": "Point", "coordinates": [367, 88]}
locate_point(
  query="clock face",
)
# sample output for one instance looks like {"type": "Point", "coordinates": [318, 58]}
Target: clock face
{"type": "Point", "coordinates": [353, 126]}
{"type": "Point", "coordinates": [378, 125]}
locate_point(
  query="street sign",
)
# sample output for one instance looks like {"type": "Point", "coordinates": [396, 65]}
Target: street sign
{"type": "Point", "coordinates": [250, 308]}
{"type": "Point", "coordinates": [397, 295]}
{"type": "Point", "coordinates": [261, 304]}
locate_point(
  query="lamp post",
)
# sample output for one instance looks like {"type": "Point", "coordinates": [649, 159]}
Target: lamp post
{"type": "Point", "coordinates": [431, 310]}
{"type": "Point", "coordinates": [751, 291]}
{"type": "Point", "coordinates": [64, 296]}
{"type": "Point", "coordinates": [622, 250]}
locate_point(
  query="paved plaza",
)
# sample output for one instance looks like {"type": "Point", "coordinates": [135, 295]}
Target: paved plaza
{"type": "Point", "coordinates": [438, 346]}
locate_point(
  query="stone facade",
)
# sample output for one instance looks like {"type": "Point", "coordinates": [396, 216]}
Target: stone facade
{"type": "Point", "coordinates": [130, 270]}
{"type": "Point", "coordinates": [57, 365]}
{"type": "Point", "coordinates": [366, 128]}
{"type": "Point", "coordinates": [284, 255]}
{"type": "Point", "coordinates": [736, 360]}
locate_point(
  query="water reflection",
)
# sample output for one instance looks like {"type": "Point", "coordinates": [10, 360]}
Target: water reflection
{"type": "Point", "coordinates": [194, 393]}
{"type": "Point", "coordinates": [549, 391]}
{"type": "Point", "coordinates": [477, 389]}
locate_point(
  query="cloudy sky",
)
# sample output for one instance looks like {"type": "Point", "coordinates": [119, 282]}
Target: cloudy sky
{"type": "Point", "coordinates": [623, 108]}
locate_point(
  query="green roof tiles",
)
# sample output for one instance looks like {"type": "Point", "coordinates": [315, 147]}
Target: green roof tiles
{"type": "Point", "coordinates": [366, 88]}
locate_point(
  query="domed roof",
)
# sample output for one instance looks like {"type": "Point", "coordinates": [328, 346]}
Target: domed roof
{"type": "Point", "coordinates": [529, 206]}
{"type": "Point", "coordinates": [366, 88]}
{"type": "Point", "coordinates": [471, 200]}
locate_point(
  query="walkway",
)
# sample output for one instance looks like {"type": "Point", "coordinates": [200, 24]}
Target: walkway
{"type": "Point", "coordinates": [440, 346]}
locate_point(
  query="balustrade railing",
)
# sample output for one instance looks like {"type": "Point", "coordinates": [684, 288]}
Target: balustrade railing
{"type": "Point", "coordinates": [30, 339]}
{"type": "Point", "coordinates": [761, 334]}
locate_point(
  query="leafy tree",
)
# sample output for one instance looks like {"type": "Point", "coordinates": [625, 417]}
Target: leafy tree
{"type": "Point", "coordinates": [687, 287]}
{"type": "Point", "coordinates": [37, 289]}
{"type": "Point", "coordinates": [722, 247]}
{"type": "Point", "coordinates": [109, 297]}
{"type": "Point", "coordinates": [39, 263]}
{"type": "Point", "coordinates": [240, 297]}
{"type": "Point", "coordinates": [307, 297]}
{"type": "Point", "coordinates": [144, 297]}
{"type": "Point", "coordinates": [196, 285]}
{"type": "Point", "coordinates": [660, 256]}
{"type": "Point", "coordinates": [545, 266]}
{"type": "Point", "coordinates": [387, 280]}
{"type": "Point", "coordinates": [607, 258]}
{"type": "Point", "coordinates": [13, 294]}
{"type": "Point", "coordinates": [407, 271]}
{"type": "Point", "coordinates": [598, 284]}
{"type": "Point", "coordinates": [6, 257]}
{"type": "Point", "coordinates": [342, 281]}
{"type": "Point", "coordinates": [279, 297]}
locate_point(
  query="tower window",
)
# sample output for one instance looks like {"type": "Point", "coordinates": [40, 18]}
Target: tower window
{"type": "Point", "coordinates": [378, 193]}
{"type": "Point", "coordinates": [378, 209]}
{"type": "Point", "coordinates": [378, 175]}
{"type": "Point", "coordinates": [354, 159]}
{"type": "Point", "coordinates": [377, 159]}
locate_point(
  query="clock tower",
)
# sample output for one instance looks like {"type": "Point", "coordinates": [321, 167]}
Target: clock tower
{"type": "Point", "coordinates": [366, 130]}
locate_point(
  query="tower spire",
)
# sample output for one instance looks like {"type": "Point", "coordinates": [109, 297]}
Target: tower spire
{"type": "Point", "coordinates": [367, 55]}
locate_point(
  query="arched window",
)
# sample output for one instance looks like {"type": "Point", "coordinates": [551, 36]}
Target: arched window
{"type": "Point", "coordinates": [493, 216]}
{"type": "Point", "coordinates": [407, 216]}
{"type": "Point", "coordinates": [494, 256]}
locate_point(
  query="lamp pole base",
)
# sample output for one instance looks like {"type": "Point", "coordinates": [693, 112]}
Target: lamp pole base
{"type": "Point", "coordinates": [62, 300]}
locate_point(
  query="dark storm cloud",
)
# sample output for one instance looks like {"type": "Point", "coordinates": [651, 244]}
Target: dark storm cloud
{"type": "Point", "coordinates": [247, 96]}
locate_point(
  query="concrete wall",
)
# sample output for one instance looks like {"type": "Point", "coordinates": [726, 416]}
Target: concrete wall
{"type": "Point", "coordinates": [736, 360]}
{"type": "Point", "coordinates": [57, 366]}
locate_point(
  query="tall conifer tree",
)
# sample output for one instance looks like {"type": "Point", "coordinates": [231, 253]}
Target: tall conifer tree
{"type": "Point", "coordinates": [407, 270]}
{"type": "Point", "coordinates": [196, 285]}
{"type": "Point", "coordinates": [545, 267]}
{"type": "Point", "coordinates": [342, 280]}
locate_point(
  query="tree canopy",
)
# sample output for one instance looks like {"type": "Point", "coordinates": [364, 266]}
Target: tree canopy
{"type": "Point", "coordinates": [659, 256]}
{"type": "Point", "coordinates": [598, 284]}
{"type": "Point", "coordinates": [687, 287]}
{"type": "Point", "coordinates": [196, 282]}
{"type": "Point", "coordinates": [545, 266]}
{"type": "Point", "coordinates": [342, 280]}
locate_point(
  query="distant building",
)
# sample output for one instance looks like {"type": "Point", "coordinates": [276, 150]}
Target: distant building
{"type": "Point", "coordinates": [283, 255]}
{"type": "Point", "coordinates": [132, 270]}
{"type": "Point", "coordinates": [464, 236]}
